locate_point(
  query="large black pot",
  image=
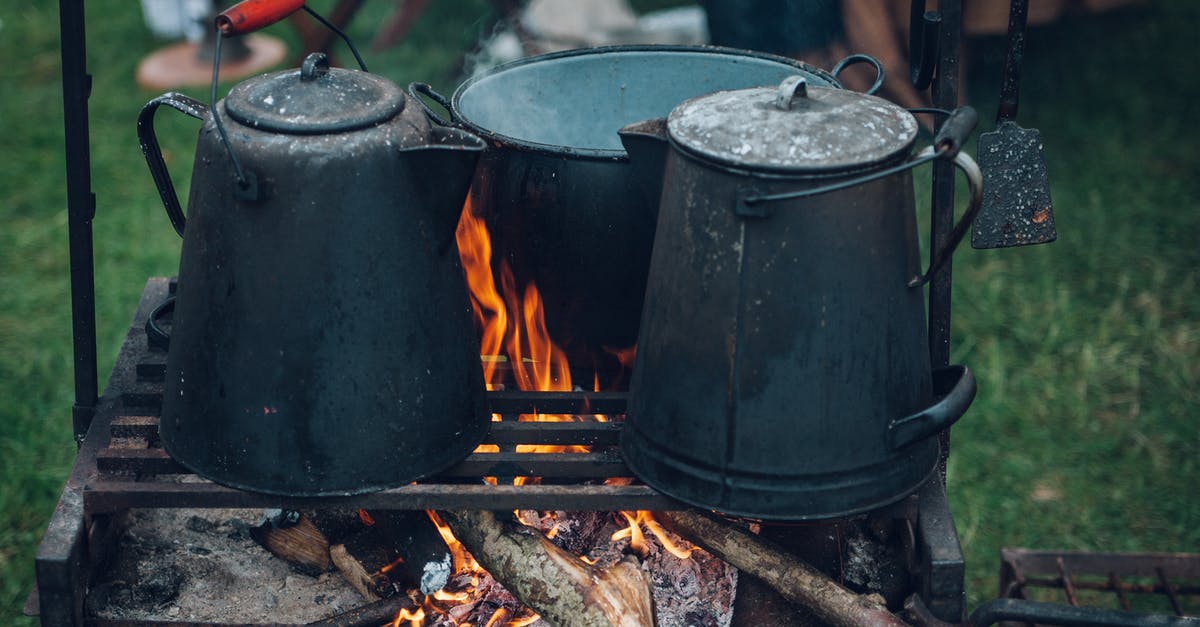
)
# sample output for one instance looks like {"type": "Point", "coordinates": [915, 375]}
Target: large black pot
{"type": "Point", "coordinates": [561, 200]}
{"type": "Point", "coordinates": [322, 341]}
{"type": "Point", "coordinates": [783, 369]}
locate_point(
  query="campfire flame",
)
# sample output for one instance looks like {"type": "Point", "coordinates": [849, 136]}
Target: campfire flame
{"type": "Point", "coordinates": [512, 329]}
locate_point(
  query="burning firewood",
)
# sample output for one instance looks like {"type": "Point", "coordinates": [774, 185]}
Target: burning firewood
{"type": "Point", "coordinates": [795, 580]}
{"type": "Point", "coordinates": [557, 585]}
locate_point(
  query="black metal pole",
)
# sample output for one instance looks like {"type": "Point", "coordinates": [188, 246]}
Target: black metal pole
{"type": "Point", "coordinates": [945, 96]}
{"type": "Point", "coordinates": [81, 208]}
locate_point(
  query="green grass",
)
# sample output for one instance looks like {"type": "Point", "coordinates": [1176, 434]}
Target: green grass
{"type": "Point", "coordinates": [1087, 350]}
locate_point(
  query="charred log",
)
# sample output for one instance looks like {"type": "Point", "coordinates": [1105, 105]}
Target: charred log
{"type": "Point", "coordinates": [792, 578]}
{"type": "Point", "coordinates": [557, 585]}
{"type": "Point", "coordinates": [292, 537]}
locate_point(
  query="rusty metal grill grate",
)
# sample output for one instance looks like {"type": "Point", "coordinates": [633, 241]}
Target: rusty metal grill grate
{"type": "Point", "coordinates": [1139, 582]}
{"type": "Point", "coordinates": [133, 470]}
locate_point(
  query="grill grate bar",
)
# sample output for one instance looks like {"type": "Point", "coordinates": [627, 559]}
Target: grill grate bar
{"type": "Point", "coordinates": [1120, 573]}
{"type": "Point", "coordinates": [1170, 589]}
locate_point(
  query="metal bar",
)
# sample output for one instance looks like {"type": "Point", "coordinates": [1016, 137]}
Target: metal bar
{"type": "Point", "coordinates": [81, 209]}
{"type": "Point", "coordinates": [555, 433]}
{"type": "Point", "coordinates": [1067, 585]}
{"type": "Point", "coordinates": [1057, 614]}
{"type": "Point", "coordinates": [514, 402]}
{"type": "Point", "coordinates": [152, 371]}
{"type": "Point", "coordinates": [547, 465]}
{"type": "Point", "coordinates": [1180, 565]}
{"type": "Point", "coordinates": [1170, 589]}
{"type": "Point", "coordinates": [945, 96]}
{"type": "Point", "coordinates": [940, 581]}
{"type": "Point", "coordinates": [1121, 587]}
{"type": "Point", "coordinates": [1122, 598]}
{"type": "Point", "coordinates": [135, 427]}
{"type": "Point", "coordinates": [114, 496]}
{"type": "Point", "coordinates": [156, 461]}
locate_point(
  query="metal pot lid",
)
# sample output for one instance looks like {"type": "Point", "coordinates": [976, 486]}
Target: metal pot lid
{"type": "Point", "coordinates": [794, 128]}
{"type": "Point", "coordinates": [314, 99]}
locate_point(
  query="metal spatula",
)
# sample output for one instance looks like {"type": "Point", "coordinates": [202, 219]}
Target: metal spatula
{"type": "Point", "coordinates": [1016, 207]}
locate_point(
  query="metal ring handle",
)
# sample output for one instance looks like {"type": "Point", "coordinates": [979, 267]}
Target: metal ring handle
{"type": "Point", "coordinates": [855, 59]}
{"type": "Point", "coordinates": [964, 162]}
{"type": "Point", "coordinates": [154, 158]}
{"type": "Point", "coordinates": [156, 336]}
{"type": "Point", "coordinates": [416, 90]}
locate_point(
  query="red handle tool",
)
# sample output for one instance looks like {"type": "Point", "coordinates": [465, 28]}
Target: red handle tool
{"type": "Point", "coordinates": [250, 15]}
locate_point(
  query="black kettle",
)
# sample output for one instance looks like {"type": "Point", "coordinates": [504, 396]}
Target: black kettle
{"type": "Point", "coordinates": [322, 342]}
{"type": "Point", "coordinates": [782, 368]}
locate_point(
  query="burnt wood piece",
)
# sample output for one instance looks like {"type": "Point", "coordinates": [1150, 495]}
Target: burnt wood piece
{"type": "Point", "coordinates": [795, 580]}
{"type": "Point", "coordinates": [297, 542]}
{"type": "Point", "coordinates": [372, 586]}
{"type": "Point", "coordinates": [557, 585]}
{"type": "Point", "coordinates": [378, 613]}
{"type": "Point", "coordinates": [422, 559]}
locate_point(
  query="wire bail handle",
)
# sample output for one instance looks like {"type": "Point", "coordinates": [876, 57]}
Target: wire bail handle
{"type": "Point", "coordinates": [246, 17]}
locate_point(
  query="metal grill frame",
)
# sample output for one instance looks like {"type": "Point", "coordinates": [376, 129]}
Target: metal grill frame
{"type": "Point", "coordinates": [1174, 575]}
{"type": "Point", "coordinates": [77, 540]}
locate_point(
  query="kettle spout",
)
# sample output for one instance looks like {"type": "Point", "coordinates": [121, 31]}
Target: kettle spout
{"type": "Point", "coordinates": [647, 145]}
{"type": "Point", "coordinates": [442, 171]}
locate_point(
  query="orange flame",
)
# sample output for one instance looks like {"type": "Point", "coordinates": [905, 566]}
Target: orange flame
{"type": "Point", "coordinates": [414, 618]}
{"type": "Point", "coordinates": [637, 540]}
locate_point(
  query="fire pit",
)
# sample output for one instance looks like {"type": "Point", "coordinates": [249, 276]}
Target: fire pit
{"type": "Point", "coordinates": [910, 547]}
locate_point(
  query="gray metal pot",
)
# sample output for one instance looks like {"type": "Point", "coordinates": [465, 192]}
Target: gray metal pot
{"type": "Point", "coordinates": [783, 368]}
{"type": "Point", "coordinates": [560, 198]}
{"type": "Point", "coordinates": [322, 342]}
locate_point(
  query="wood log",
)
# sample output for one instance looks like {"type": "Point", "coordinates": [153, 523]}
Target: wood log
{"type": "Point", "coordinates": [373, 586]}
{"type": "Point", "coordinates": [557, 585]}
{"type": "Point", "coordinates": [795, 580]}
{"type": "Point", "coordinates": [292, 537]}
{"type": "Point", "coordinates": [375, 613]}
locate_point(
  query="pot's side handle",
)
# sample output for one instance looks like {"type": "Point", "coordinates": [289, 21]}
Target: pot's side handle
{"type": "Point", "coordinates": [855, 59]}
{"type": "Point", "coordinates": [956, 387]}
{"type": "Point", "coordinates": [416, 90]}
{"type": "Point", "coordinates": [975, 182]}
{"type": "Point", "coordinates": [153, 154]}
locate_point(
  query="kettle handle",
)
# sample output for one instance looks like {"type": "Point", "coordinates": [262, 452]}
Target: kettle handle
{"type": "Point", "coordinates": [153, 154]}
{"type": "Point", "coordinates": [416, 90]}
{"type": "Point", "coordinates": [955, 385]}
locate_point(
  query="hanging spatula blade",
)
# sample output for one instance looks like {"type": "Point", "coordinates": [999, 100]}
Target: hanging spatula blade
{"type": "Point", "coordinates": [1017, 210]}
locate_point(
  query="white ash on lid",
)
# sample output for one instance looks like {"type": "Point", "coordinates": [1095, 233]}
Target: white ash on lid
{"type": "Point", "coordinates": [824, 129]}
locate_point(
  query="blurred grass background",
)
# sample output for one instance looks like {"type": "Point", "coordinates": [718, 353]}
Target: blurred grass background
{"type": "Point", "coordinates": [1084, 433]}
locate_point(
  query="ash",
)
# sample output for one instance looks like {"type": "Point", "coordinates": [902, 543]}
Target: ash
{"type": "Point", "coordinates": [202, 565]}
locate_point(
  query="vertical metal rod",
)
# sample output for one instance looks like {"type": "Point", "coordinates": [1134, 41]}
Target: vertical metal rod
{"type": "Point", "coordinates": [1169, 588]}
{"type": "Point", "coordinates": [81, 209]}
{"type": "Point", "coordinates": [1068, 585]}
{"type": "Point", "coordinates": [945, 96]}
{"type": "Point", "coordinates": [1122, 598]}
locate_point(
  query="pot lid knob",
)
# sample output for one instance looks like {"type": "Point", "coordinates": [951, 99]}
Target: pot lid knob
{"type": "Point", "coordinates": [315, 66]}
{"type": "Point", "coordinates": [791, 89]}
